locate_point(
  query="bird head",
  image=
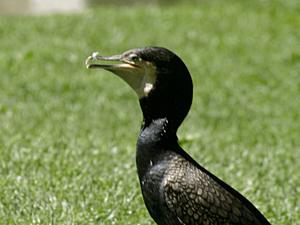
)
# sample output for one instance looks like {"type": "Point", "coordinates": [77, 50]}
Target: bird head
{"type": "Point", "coordinates": [158, 76]}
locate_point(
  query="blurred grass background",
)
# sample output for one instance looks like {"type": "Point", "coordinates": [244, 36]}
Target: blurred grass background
{"type": "Point", "coordinates": [67, 135]}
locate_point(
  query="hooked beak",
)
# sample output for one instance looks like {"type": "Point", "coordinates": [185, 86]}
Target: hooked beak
{"type": "Point", "coordinates": [116, 62]}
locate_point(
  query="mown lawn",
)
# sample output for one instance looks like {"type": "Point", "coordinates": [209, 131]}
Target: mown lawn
{"type": "Point", "coordinates": [67, 135]}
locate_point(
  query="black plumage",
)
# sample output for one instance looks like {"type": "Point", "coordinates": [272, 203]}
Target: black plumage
{"type": "Point", "coordinates": [175, 188]}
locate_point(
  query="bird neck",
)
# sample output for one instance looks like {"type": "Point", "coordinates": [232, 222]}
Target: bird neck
{"type": "Point", "coordinates": [154, 140]}
{"type": "Point", "coordinates": [158, 131]}
{"type": "Point", "coordinates": [163, 113]}
{"type": "Point", "coordinates": [169, 100]}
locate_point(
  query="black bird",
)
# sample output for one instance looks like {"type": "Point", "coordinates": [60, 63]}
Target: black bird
{"type": "Point", "coordinates": [175, 188]}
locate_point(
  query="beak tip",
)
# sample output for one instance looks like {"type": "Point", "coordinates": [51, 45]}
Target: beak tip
{"type": "Point", "coordinates": [91, 58]}
{"type": "Point", "coordinates": [87, 62]}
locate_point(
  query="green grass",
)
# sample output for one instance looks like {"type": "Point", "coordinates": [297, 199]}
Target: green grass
{"type": "Point", "coordinates": [67, 135]}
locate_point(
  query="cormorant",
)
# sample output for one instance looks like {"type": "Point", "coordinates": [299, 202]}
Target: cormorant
{"type": "Point", "coordinates": [176, 189]}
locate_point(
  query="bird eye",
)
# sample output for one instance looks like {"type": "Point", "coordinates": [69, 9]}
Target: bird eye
{"type": "Point", "coordinates": [134, 58]}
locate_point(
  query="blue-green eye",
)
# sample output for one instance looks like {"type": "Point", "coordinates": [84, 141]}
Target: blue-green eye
{"type": "Point", "coordinates": [133, 57]}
